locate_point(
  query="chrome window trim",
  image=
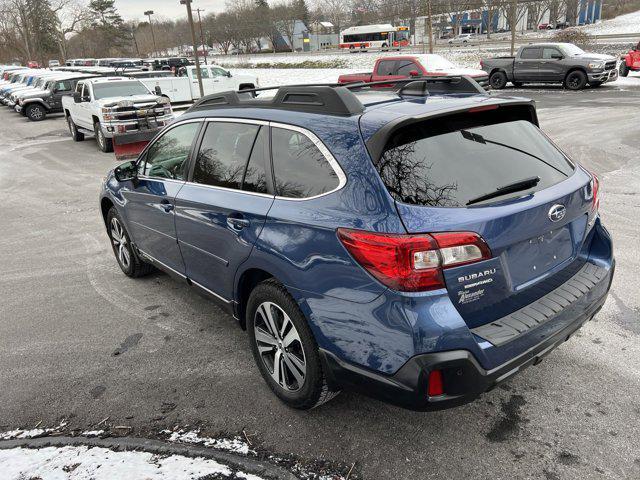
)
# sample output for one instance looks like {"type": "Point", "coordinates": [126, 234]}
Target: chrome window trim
{"type": "Point", "coordinates": [342, 178]}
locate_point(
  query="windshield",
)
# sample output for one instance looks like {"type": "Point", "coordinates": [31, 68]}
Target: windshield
{"type": "Point", "coordinates": [435, 62]}
{"type": "Point", "coordinates": [119, 89]}
{"type": "Point", "coordinates": [452, 161]}
{"type": "Point", "coordinates": [571, 50]}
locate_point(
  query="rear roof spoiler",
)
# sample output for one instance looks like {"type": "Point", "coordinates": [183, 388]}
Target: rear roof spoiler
{"type": "Point", "coordinates": [378, 141]}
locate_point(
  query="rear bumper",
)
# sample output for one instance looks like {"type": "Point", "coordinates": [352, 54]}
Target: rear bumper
{"type": "Point", "coordinates": [463, 376]}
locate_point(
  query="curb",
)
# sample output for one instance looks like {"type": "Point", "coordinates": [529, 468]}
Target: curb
{"type": "Point", "coordinates": [245, 464]}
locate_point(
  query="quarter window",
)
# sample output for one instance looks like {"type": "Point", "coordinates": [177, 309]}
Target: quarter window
{"type": "Point", "coordinates": [301, 170]}
{"type": "Point", "coordinates": [167, 157]}
{"type": "Point", "coordinates": [223, 154]}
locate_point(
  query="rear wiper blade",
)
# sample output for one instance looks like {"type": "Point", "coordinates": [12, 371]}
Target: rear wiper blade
{"type": "Point", "coordinates": [505, 189]}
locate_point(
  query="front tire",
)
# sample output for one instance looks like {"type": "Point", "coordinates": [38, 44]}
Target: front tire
{"type": "Point", "coordinates": [284, 347]}
{"type": "Point", "coordinates": [75, 134]}
{"type": "Point", "coordinates": [127, 258]}
{"type": "Point", "coordinates": [104, 144]}
{"type": "Point", "coordinates": [498, 80]}
{"type": "Point", "coordinates": [575, 80]}
{"type": "Point", "coordinates": [35, 112]}
{"type": "Point", "coordinates": [624, 69]}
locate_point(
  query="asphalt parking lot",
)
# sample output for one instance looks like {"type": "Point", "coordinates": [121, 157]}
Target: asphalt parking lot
{"type": "Point", "coordinates": [80, 341]}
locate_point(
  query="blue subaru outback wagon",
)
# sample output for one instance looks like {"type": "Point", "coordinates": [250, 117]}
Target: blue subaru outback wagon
{"type": "Point", "coordinates": [420, 244]}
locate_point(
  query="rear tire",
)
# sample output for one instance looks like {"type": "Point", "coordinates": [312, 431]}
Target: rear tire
{"type": "Point", "coordinates": [498, 80]}
{"type": "Point", "coordinates": [75, 134]}
{"type": "Point", "coordinates": [104, 144]}
{"type": "Point", "coordinates": [126, 256]}
{"type": "Point", "coordinates": [284, 347]}
{"type": "Point", "coordinates": [35, 112]}
{"type": "Point", "coordinates": [575, 80]}
{"type": "Point", "coordinates": [624, 69]}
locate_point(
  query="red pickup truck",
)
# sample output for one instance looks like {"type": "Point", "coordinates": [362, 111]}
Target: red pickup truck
{"type": "Point", "coordinates": [630, 62]}
{"type": "Point", "coordinates": [405, 66]}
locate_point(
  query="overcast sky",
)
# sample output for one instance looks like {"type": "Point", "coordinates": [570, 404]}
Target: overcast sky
{"type": "Point", "coordinates": [134, 9]}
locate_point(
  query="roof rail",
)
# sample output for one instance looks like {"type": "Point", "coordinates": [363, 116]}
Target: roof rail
{"type": "Point", "coordinates": [333, 98]}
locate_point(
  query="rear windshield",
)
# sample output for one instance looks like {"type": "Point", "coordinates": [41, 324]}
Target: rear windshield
{"type": "Point", "coordinates": [452, 162]}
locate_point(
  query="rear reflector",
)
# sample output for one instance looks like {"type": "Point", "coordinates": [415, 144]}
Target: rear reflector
{"type": "Point", "coordinates": [595, 187]}
{"type": "Point", "coordinates": [413, 263]}
{"type": "Point", "coordinates": [435, 386]}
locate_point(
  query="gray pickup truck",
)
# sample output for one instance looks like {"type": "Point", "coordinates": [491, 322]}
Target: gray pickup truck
{"type": "Point", "coordinates": [551, 63]}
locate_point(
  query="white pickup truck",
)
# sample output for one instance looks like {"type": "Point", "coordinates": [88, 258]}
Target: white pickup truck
{"type": "Point", "coordinates": [115, 109]}
{"type": "Point", "coordinates": [214, 79]}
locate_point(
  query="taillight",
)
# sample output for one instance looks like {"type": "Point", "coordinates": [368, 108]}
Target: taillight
{"type": "Point", "coordinates": [435, 386]}
{"type": "Point", "coordinates": [413, 263]}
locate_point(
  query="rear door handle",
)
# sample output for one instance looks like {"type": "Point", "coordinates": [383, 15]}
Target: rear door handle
{"type": "Point", "coordinates": [166, 205]}
{"type": "Point", "coordinates": [237, 223]}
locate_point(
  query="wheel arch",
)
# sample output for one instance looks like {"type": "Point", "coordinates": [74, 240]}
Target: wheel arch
{"type": "Point", "coordinates": [576, 69]}
{"type": "Point", "coordinates": [245, 284]}
{"type": "Point", "coordinates": [105, 206]}
{"type": "Point", "coordinates": [95, 119]}
{"type": "Point", "coordinates": [38, 101]}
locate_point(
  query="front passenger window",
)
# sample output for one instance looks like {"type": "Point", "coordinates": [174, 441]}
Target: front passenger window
{"type": "Point", "coordinates": [167, 157]}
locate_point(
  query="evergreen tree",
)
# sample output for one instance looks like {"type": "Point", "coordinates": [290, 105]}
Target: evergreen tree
{"type": "Point", "coordinates": [109, 24]}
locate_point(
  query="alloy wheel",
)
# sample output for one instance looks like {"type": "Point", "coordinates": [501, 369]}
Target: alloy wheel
{"type": "Point", "coordinates": [36, 113]}
{"type": "Point", "coordinates": [279, 346]}
{"type": "Point", "coordinates": [120, 244]}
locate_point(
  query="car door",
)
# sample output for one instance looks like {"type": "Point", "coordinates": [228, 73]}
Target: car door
{"type": "Point", "coordinates": [221, 81]}
{"type": "Point", "coordinates": [385, 70]}
{"type": "Point", "coordinates": [220, 212]}
{"type": "Point", "coordinates": [83, 112]}
{"type": "Point", "coordinates": [526, 66]}
{"type": "Point", "coordinates": [60, 89]}
{"type": "Point", "coordinates": [551, 67]}
{"type": "Point", "coordinates": [150, 199]}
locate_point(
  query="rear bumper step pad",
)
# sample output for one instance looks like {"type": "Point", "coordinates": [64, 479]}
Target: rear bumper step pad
{"type": "Point", "coordinates": [542, 310]}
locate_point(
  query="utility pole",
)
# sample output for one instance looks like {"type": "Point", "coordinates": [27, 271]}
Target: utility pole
{"type": "Point", "coordinates": [193, 41]}
{"type": "Point", "coordinates": [514, 7]}
{"type": "Point", "coordinates": [135, 42]}
{"type": "Point", "coordinates": [148, 13]}
{"type": "Point", "coordinates": [429, 26]}
{"type": "Point", "coordinates": [198, 10]}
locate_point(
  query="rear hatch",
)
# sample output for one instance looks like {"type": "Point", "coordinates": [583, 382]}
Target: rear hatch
{"type": "Point", "coordinates": [492, 172]}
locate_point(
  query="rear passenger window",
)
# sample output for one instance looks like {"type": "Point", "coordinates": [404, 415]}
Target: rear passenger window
{"type": "Point", "coordinates": [224, 153]}
{"type": "Point", "coordinates": [385, 67]}
{"type": "Point", "coordinates": [301, 170]}
{"type": "Point", "coordinates": [531, 53]}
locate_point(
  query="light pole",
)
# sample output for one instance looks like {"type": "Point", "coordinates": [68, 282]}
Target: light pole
{"type": "Point", "coordinates": [193, 42]}
{"type": "Point", "coordinates": [148, 13]}
{"type": "Point", "coordinates": [198, 10]}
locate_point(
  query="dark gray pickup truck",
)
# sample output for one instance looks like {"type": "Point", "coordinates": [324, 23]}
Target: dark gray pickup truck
{"type": "Point", "coordinates": [551, 63]}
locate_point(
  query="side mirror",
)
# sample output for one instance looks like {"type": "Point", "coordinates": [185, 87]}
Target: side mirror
{"type": "Point", "coordinates": [158, 90]}
{"type": "Point", "coordinates": [228, 74]}
{"type": "Point", "coordinates": [414, 73]}
{"type": "Point", "coordinates": [126, 171]}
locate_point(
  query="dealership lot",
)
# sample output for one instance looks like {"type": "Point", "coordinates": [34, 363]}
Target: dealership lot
{"type": "Point", "coordinates": [82, 342]}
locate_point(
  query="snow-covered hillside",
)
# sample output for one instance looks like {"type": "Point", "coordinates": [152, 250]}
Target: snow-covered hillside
{"type": "Point", "coordinates": [629, 23]}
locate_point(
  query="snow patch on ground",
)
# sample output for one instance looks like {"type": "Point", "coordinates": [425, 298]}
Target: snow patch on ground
{"type": "Point", "coordinates": [629, 23]}
{"type": "Point", "coordinates": [86, 463]}
{"type": "Point", "coordinates": [32, 433]}
{"type": "Point", "coordinates": [233, 445]}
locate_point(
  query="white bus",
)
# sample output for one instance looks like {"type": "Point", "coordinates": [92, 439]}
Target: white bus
{"type": "Point", "coordinates": [384, 37]}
